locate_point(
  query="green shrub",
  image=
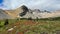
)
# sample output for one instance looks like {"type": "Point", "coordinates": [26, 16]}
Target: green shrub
{"type": "Point", "coordinates": [6, 22]}
{"type": "Point", "coordinates": [2, 23]}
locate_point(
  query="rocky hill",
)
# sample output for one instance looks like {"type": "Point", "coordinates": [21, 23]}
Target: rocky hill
{"type": "Point", "coordinates": [11, 14]}
{"type": "Point", "coordinates": [24, 12]}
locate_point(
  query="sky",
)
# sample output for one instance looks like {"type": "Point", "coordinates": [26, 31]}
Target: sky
{"type": "Point", "coordinates": [50, 5]}
{"type": "Point", "coordinates": [1, 1]}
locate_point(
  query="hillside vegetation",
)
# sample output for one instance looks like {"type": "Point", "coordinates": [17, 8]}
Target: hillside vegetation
{"type": "Point", "coordinates": [31, 26]}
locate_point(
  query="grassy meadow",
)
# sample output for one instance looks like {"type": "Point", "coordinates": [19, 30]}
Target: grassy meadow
{"type": "Point", "coordinates": [31, 26]}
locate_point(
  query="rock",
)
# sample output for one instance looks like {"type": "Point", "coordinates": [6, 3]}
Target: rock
{"type": "Point", "coordinates": [10, 29]}
{"type": "Point", "coordinates": [44, 33]}
{"type": "Point", "coordinates": [58, 32]}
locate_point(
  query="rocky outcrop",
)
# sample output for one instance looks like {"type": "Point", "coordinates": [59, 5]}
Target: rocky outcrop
{"type": "Point", "coordinates": [41, 14]}
{"type": "Point", "coordinates": [25, 10]}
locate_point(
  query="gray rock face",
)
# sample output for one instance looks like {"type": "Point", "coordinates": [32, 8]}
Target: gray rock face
{"type": "Point", "coordinates": [41, 14]}
{"type": "Point", "coordinates": [35, 14]}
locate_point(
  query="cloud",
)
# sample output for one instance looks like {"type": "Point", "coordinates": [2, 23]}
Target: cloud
{"type": "Point", "coordinates": [48, 5]}
{"type": "Point", "coordinates": [39, 4]}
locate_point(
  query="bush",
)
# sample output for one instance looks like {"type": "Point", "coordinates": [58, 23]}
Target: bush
{"type": "Point", "coordinates": [30, 18]}
{"type": "Point", "coordinates": [2, 23]}
{"type": "Point", "coordinates": [6, 22]}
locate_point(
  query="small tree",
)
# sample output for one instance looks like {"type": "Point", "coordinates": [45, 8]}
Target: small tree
{"type": "Point", "coordinates": [37, 18]}
{"type": "Point", "coordinates": [6, 22]}
{"type": "Point", "coordinates": [30, 18]}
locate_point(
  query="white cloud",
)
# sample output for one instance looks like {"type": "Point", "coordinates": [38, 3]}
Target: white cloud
{"type": "Point", "coordinates": [40, 4]}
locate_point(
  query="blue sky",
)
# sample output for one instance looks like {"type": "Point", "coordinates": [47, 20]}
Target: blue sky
{"type": "Point", "coordinates": [1, 1]}
{"type": "Point", "coordinates": [33, 4]}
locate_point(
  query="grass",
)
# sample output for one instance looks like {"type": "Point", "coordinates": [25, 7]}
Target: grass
{"type": "Point", "coordinates": [32, 26]}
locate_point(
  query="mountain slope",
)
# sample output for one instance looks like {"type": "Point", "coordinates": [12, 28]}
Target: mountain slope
{"type": "Point", "coordinates": [11, 14]}
{"type": "Point", "coordinates": [14, 13]}
{"type": "Point", "coordinates": [41, 14]}
{"type": "Point", "coordinates": [3, 15]}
